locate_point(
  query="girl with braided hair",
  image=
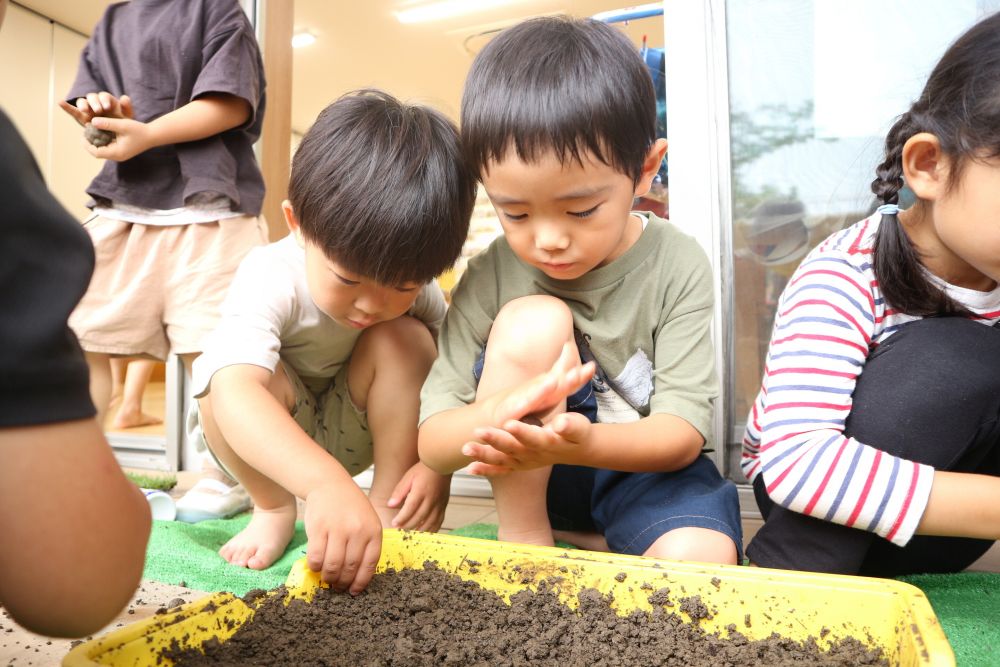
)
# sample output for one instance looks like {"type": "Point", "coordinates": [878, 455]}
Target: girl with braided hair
{"type": "Point", "coordinates": [874, 444]}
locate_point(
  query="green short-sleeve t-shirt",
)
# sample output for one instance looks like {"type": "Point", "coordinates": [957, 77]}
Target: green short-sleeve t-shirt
{"type": "Point", "coordinates": [645, 316]}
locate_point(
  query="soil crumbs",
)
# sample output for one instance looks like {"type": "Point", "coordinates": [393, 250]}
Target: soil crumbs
{"type": "Point", "coordinates": [429, 617]}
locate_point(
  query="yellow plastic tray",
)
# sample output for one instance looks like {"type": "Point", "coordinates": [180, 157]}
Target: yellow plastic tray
{"type": "Point", "coordinates": [886, 613]}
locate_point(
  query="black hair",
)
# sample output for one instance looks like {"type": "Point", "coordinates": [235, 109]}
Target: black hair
{"type": "Point", "coordinates": [382, 188]}
{"type": "Point", "coordinates": [960, 105]}
{"type": "Point", "coordinates": [562, 84]}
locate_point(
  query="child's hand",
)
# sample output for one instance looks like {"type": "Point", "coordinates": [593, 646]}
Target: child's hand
{"type": "Point", "coordinates": [543, 393]}
{"type": "Point", "coordinates": [520, 446]}
{"type": "Point", "coordinates": [345, 536]}
{"type": "Point", "coordinates": [98, 104]}
{"type": "Point", "coordinates": [423, 494]}
{"type": "Point", "coordinates": [131, 138]}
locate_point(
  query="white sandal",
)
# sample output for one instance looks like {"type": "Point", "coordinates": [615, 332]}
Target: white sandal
{"type": "Point", "coordinates": [212, 499]}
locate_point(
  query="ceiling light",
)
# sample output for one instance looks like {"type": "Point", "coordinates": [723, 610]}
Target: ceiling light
{"type": "Point", "coordinates": [446, 9]}
{"type": "Point", "coordinates": [302, 39]}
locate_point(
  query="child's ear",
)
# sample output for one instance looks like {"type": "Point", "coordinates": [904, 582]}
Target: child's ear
{"type": "Point", "coordinates": [292, 221]}
{"type": "Point", "coordinates": [650, 166]}
{"type": "Point", "coordinates": [925, 166]}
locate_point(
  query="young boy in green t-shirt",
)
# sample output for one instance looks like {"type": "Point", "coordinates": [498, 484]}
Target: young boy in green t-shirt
{"type": "Point", "coordinates": [575, 366]}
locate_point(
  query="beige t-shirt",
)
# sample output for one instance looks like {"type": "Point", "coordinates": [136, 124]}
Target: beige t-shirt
{"type": "Point", "coordinates": [269, 314]}
{"type": "Point", "coordinates": [646, 317]}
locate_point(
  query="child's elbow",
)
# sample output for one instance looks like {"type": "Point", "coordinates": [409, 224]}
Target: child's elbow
{"type": "Point", "coordinates": [430, 455]}
{"type": "Point", "coordinates": [427, 457]}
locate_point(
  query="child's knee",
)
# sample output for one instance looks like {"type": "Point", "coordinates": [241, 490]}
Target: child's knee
{"type": "Point", "coordinates": [694, 544]}
{"type": "Point", "coordinates": [399, 335]}
{"type": "Point", "coordinates": [401, 341]}
{"type": "Point", "coordinates": [529, 330]}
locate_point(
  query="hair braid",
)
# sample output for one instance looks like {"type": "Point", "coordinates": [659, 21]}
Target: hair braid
{"type": "Point", "coordinates": [897, 265]}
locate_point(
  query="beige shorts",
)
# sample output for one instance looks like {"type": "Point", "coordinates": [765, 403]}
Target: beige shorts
{"type": "Point", "coordinates": [329, 417]}
{"type": "Point", "coordinates": [157, 289]}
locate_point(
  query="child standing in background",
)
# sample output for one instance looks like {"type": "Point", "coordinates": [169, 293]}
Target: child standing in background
{"type": "Point", "coordinates": [177, 203]}
{"type": "Point", "coordinates": [874, 445]}
{"type": "Point", "coordinates": [326, 336]}
{"type": "Point", "coordinates": [559, 119]}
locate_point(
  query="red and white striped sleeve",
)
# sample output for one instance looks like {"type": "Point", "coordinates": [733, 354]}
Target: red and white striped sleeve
{"type": "Point", "coordinates": [795, 436]}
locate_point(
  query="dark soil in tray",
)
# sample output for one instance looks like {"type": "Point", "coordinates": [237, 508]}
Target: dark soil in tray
{"type": "Point", "coordinates": [429, 617]}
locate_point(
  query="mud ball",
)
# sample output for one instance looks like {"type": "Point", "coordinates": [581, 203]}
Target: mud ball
{"type": "Point", "coordinates": [96, 136]}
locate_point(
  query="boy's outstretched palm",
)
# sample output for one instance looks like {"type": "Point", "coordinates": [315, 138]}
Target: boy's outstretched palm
{"type": "Point", "coordinates": [523, 442]}
{"type": "Point", "coordinates": [520, 446]}
{"type": "Point", "coordinates": [345, 536]}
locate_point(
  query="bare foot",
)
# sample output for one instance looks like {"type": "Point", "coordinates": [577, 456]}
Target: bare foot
{"type": "Point", "coordinates": [264, 539]}
{"type": "Point", "coordinates": [537, 536]}
{"type": "Point", "coordinates": [132, 419]}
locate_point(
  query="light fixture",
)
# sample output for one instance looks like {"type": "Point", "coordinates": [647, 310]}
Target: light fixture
{"type": "Point", "coordinates": [446, 9]}
{"type": "Point", "coordinates": [301, 39]}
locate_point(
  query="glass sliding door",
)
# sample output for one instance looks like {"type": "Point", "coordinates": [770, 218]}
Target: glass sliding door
{"type": "Point", "coordinates": [813, 87]}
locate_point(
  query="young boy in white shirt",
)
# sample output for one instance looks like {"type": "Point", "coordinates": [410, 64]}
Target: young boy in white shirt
{"type": "Point", "coordinates": [327, 335]}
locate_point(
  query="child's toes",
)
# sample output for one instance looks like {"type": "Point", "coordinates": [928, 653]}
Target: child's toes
{"type": "Point", "coordinates": [243, 556]}
{"type": "Point", "coordinates": [265, 557]}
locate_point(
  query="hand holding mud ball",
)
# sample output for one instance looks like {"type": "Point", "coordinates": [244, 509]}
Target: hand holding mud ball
{"type": "Point", "coordinates": [98, 105]}
{"type": "Point", "coordinates": [97, 137]}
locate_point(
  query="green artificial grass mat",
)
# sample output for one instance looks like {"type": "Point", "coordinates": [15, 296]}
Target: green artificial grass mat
{"type": "Point", "coordinates": [968, 606]}
{"type": "Point", "coordinates": [158, 482]}
{"type": "Point", "coordinates": [187, 554]}
{"type": "Point", "coordinates": [967, 603]}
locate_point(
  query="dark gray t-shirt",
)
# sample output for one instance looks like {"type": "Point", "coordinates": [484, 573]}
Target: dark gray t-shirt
{"type": "Point", "coordinates": [164, 54]}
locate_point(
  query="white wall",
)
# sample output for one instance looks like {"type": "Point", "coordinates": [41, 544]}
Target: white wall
{"type": "Point", "coordinates": [38, 61]}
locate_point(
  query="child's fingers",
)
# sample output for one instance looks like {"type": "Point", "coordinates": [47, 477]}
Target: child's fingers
{"type": "Point", "coordinates": [369, 561]}
{"type": "Point", "coordinates": [106, 100]}
{"type": "Point", "coordinates": [420, 514]}
{"type": "Point", "coordinates": [401, 491]}
{"type": "Point", "coordinates": [524, 434]}
{"type": "Point", "coordinates": [570, 426]}
{"type": "Point", "coordinates": [576, 377]}
{"type": "Point", "coordinates": [94, 101]}
{"type": "Point", "coordinates": [486, 470]}
{"type": "Point", "coordinates": [406, 512]}
{"type": "Point", "coordinates": [316, 551]}
{"type": "Point", "coordinates": [536, 398]}
{"type": "Point", "coordinates": [567, 359]}
{"type": "Point", "coordinates": [116, 125]}
{"type": "Point", "coordinates": [90, 148]}
{"type": "Point", "coordinates": [126, 104]}
{"type": "Point", "coordinates": [485, 454]}
{"type": "Point", "coordinates": [333, 562]}
{"type": "Point", "coordinates": [77, 115]}
{"type": "Point", "coordinates": [432, 523]}
{"type": "Point", "coordinates": [500, 438]}
{"type": "Point", "coordinates": [350, 566]}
